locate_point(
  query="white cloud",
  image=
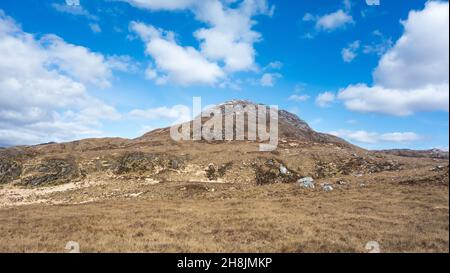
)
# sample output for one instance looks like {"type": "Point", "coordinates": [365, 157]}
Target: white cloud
{"type": "Point", "coordinates": [269, 79]}
{"type": "Point", "coordinates": [333, 21]}
{"type": "Point", "coordinates": [299, 97]}
{"type": "Point", "coordinates": [350, 53]}
{"type": "Point", "coordinates": [123, 63]}
{"type": "Point", "coordinates": [151, 73]}
{"type": "Point", "coordinates": [95, 27]}
{"type": "Point", "coordinates": [161, 4]}
{"type": "Point", "coordinates": [77, 61]}
{"type": "Point", "coordinates": [329, 22]}
{"type": "Point", "coordinates": [177, 113]}
{"type": "Point", "coordinates": [308, 17]}
{"type": "Point", "coordinates": [413, 75]}
{"type": "Point", "coordinates": [325, 99]}
{"type": "Point", "coordinates": [275, 65]}
{"type": "Point", "coordinates": [230, 37]}
{"type": "Point", "coordinates": [400, 137]}
{"type": "Point", "coordinates": [372, 137]}
{"type": "Point", "coordinates": [421, 55]}
{"type": "Point", "coordinates": [397, 102]}
{"type": "Point", "coordinates": [182, 65]}
{"type": "Point", "coordinates": [380, 46]}
{"type": "Point", "coordinates": [227, 40]}
{"type": "Point", "coordinates": [43, 94]}
{"type": "Point", "coordinates": [233, 84]}
{"type": "Point", "coordinates": [77, 10]}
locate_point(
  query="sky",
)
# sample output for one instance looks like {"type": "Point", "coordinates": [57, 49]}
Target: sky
{"type": "Point", "coordinates": [374, 72]}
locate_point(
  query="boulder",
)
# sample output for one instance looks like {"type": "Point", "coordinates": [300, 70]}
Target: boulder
{"type": "Point", "coordinates": [306, 182]}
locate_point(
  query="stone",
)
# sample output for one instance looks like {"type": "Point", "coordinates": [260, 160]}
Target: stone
{"type": "Point", "coordinates": [306, 182]}
{"type": "Point", "coordinates": [174, 164]}
{"type": "Point", "coordinates": [283, 169]}
{"type": "Point", "coordinates": [327, 188]}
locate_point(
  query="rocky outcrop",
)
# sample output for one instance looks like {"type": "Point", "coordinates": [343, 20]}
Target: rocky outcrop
{"type": "Point", "coordinates": [50, 172]}
{"type": "Point", "coordinates": [9, 170]}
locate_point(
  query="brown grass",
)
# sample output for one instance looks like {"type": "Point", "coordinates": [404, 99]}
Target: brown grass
{"type": "Point", "coordinates": [271, 218]}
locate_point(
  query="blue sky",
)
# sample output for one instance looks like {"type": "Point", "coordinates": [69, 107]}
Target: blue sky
{"type": "Point", "coordinates": [376, 75]}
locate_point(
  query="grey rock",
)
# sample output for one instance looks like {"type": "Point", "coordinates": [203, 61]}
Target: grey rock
{"type": "Point", "coordinates": [306, 182]}
{"type": "Point", "coordinates": [174, 164]}
{"type": "Point", "coordinates": [327, 188]}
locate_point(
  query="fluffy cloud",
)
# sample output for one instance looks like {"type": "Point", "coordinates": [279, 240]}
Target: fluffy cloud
{"type": "Point", "coordinates": [333, 21]}
{"type": "Point", "coordinates": [76, 61]}
{"type": "Point", "coordinates": [269, 79]}
{"type": "Point", "coordinates": [379, 46]}
{"type": "Point", "coordinates": [325, 99]}
{"type": "Point", "coordinates": [421, 56]}
{"type": "Point", "coordinates": [123, 63]}
{"type": "Point", "coordinates": [397, 102]}
{"type": "Point", "coordinates": [372, 138]}
{"type": "Point", "coordinates": [95, 27]}
{"type": "Point", "coordinates": [228, 38]}
{"type": "Point", "coordinates": [349, 53]}
{"type": "Point", "coordinates": [161, 4]}
{"type": "Point", "coordinates": [43, 93]}
{"type": "Point", "coordinates": [276, 65]}
{"type": "Point", "coordinates": [412, 76]}
{"type": "Point", "coordinates": [183, 65]}
{"type": "Point", "coordinates": [178, 113]}
{"type": "Point", "coordinates": [76, 10]}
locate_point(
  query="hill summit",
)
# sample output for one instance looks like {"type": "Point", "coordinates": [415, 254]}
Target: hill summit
{"type": "Point", "coordinates": [290, 126]}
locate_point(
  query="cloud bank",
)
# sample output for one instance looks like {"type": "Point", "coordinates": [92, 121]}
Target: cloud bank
{"type": "Point", "coordinates": [413, 75]}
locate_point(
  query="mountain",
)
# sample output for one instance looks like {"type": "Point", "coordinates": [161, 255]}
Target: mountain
{"type": "Point", "coordinates": [290, 126]}
{"type": "Point", "coordinates": [157, 158]}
